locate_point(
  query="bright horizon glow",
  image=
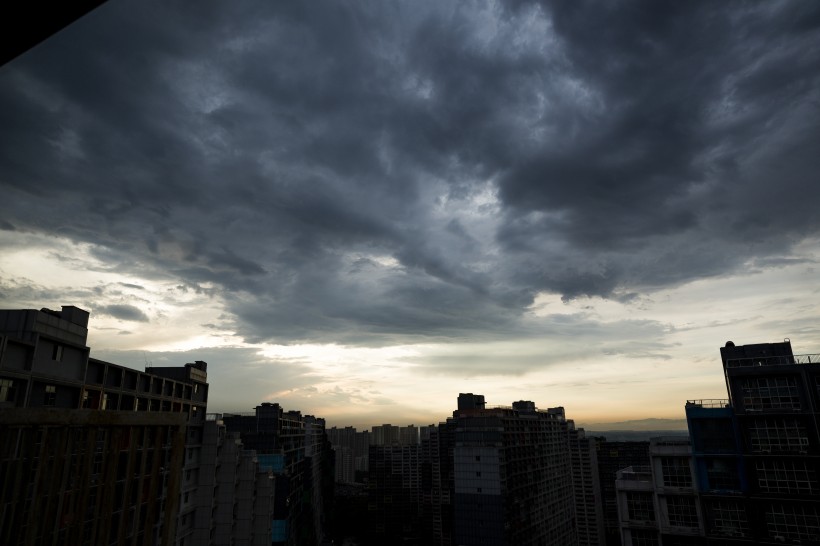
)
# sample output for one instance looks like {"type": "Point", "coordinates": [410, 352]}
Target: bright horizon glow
{"type": "Point", "coordinates": [401, 384]}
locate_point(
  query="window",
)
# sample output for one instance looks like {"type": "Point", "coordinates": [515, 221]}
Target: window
{"type": "Point", "coordinates": [676, 472]}
{"type": "Point", "coordinates": [50, 397]}
{"type": "Point", "coordinates": [728, 519]}
{"type": "Point", "coordinates": [773, 435]}
{"type": "Point", "coordinates": [722, 474]}
{"type": "Point", "coordinates": [57, 352]}
{"type": "Point", "coordinates": [7, 390]}
{"type": "Point", "coordinates": [793, 522]}
{"type": "Point", "coordinates": [639, 506]}
{"type": "Point", "coordinates": [642, 537]}
{"type": "Point", "coordinates": [764, 393]}
{"type": "Point", "coordinates": [785, 476]}
{"type": "Point", "coordinates": [682, 511]}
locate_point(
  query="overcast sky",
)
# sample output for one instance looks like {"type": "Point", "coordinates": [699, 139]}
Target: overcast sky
{"type": "Point", "coordinates": [360, 209]}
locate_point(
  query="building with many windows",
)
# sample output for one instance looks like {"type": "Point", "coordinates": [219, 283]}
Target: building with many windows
{"type": "Point", "coordinates": [612, 457]}
{"type": "Point", "coordinates": [657, 504]}
{"type": "Point", "coordinates": [752, 475]}
{"type": "Point", "coordinates": [294, 448]}
{"type": "Point", "coordinates": [92, 452]}
{"type": "Point", "coordinates": [512, 475]}
{"type": "Point", "coordinates": [757, 453]}
{"type": "Point", "coordinates": [586, 486]}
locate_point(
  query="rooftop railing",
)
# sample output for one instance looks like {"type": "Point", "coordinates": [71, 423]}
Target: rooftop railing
{"type": "Point", "coordinates": [709, 403]}
{"type": "Point", "coordinates": [785, 360]}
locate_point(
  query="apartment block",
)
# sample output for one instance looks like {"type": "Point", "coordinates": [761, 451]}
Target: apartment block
{"type": "Point", "coordinates": [658, 504]}
{"type": "Point", "coordinates": [234, 497]}
{"type": "Point", "coordinates": [91, 452]}
{"type": "Point", "coordinates": [294, 449]}
{"type": "Point", "coordinates": [512, 475]}
{"type": "Point", "coordinates": [612, 457]}
{"type": "Point", "coordinates": [393, 494]}
{"type": "Point", "coordinates": [757, 453]}
{"type": "Point", "coordinates": [586, 486]}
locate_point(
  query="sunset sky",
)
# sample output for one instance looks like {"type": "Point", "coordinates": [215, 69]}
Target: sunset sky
{"type": "Point", "coordinates": [360, 209]}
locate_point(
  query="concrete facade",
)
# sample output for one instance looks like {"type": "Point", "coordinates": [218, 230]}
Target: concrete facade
{"type": "Point", "coordinates": [94, 452]}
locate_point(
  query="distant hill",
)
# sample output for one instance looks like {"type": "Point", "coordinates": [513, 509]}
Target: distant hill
{"type": "Point", "coordinates": [634, 435]}
{"type": "Point", "coordinates": [651, 424]}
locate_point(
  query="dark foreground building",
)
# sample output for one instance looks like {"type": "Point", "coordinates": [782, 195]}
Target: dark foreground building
{"type": "Point", "coordinates": [752, 474]}
{"type": "Point", "coordinates": [92, 452]}
{"type": "Point", "coordinates": [757, 454]}
{"type": "Point", "coordinates": [295, 449]}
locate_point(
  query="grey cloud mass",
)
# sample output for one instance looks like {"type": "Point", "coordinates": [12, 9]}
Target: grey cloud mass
{"type": "Point", "coordinates": [122, 312]}
{"type": "Point", "coordinates": [372, 173]}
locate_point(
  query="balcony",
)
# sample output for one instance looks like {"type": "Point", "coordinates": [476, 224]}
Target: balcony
{"type": "Point", "coordinates": [634, 478]}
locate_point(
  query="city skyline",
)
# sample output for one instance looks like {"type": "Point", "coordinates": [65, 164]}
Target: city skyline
{"type": "Point", "coordinates": [361, 210]}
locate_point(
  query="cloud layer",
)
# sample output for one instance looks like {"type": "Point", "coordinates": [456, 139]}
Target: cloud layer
{"type": "Point", "coordinates": [369, 174]}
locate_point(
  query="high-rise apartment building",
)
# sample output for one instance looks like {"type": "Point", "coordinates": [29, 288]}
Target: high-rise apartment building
{"type": "Point", "coordinates": [512, 475]}
{"type": "Point", "coordinates": [757, 454]}
{"type": "Point", "coordinates": [294, 449]}
{"type": "Point", "coordinates": [393, 494]}
{"type": "Point", "coordinates": [436, 484]}
{"type": "Point", "coordinates": [92, 452]}
{"type": "Point", "coordinates": [384, 435]}
{"type": "Point", "coordinates": [352, 452]}
{"type": "Point", "coordinates": [658, 504]}
{"type": "Point", "coordinates": [612, 457]}
{"type": "Point", "coordinates": [233, 501]}
{"type": "Point", "coordinates": [751, 475]}
{"type": "Point", "coordinates": [586, 486]}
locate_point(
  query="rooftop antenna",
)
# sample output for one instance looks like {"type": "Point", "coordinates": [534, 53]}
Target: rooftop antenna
{"type": "Point", "coordinates": [148, 363]}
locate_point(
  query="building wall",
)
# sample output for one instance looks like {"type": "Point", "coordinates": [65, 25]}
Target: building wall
{"type": "Point", "coordinates": [757, 454]}
{"type": "Point", "coordinates": [89, 477]}
{"type": "Point", "coordinates": [586, 488]}
{"type": "Point", "coordinates": [613, 456]}
{"type": "Point", "coordinates": [45, 368]}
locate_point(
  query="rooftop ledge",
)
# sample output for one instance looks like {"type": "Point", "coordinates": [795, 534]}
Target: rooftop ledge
{"type": "Point", "coordinates": [709, 403]}
{"type": "Point", "coordinates": [785, 360]}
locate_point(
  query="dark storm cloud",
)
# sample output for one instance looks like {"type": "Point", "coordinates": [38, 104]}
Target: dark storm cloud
{"type": "Point", "coordinates": [372, 173]}
{"type": "Point", "coordinates": [122, 312]}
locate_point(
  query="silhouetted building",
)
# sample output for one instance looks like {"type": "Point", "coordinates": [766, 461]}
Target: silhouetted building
{"type": "Point", "coordinates": [233, 502]}
{"type": "Point", "coordinates": [658, 504]}
{"type": "Point", "coordinates": [384, 435]}
{"type": "Point", "coordinates": [393, 494]}
{"type": "Point", "coordinates": [612, 457]}
{"type": "Point", "coordinates": [751, 476]}
{"type": "Point", "coordinates": [294, 449]}
{"type": "Point", "coordinates": [512, 475]}
{"type": "Point", "coordinates": [437, 484]}
{"type": "Point", "coordinates": [586, 487]}
{"type": "Point", "coordinates": [92, 452]}
{"type": "Point", "coordinates": [409, 435]}
{"type": "Point", "coordinates": [757, 454]}
{"type": "Point", "coordinates": [352, 450]}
